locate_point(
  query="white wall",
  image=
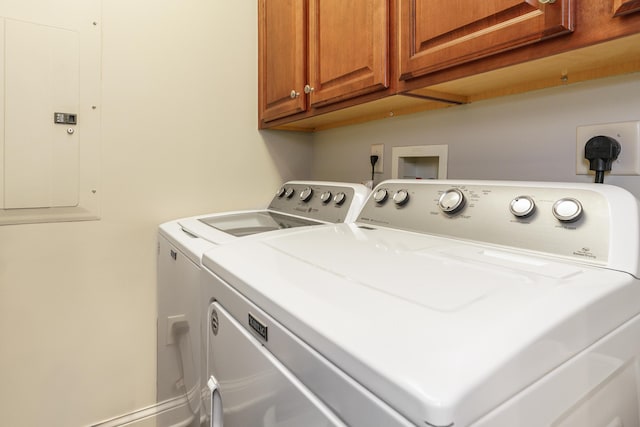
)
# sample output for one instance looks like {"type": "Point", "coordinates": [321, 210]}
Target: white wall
{"type": "Point", "coordinates": [522, 137]}
{"type": "Point", "coordinates": [77, 300]}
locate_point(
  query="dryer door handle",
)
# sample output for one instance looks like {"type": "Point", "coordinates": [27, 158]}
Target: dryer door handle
{"type": "Point", "coordinates": [216, 403]}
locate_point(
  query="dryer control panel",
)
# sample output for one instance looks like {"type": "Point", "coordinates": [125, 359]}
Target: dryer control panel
{"type": "Point", "coordinates": [587, 222]}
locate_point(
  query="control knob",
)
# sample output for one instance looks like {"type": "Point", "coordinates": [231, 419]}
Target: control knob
{"type": "Point", "coordinates": [280, 192]}
{"type": "Point", "coordinates": [289, 193]}
{"type": "Point", "coordinates": [306, 194]}
{"type": "Point", "coordinates": [339, 198]}
{"type": "Point", "coordinates": [401, 197]}
{"type": "Point", "coordinates": [567, 209]}
{"type": "Point", "coordinates": [325, 197]}
{"type": "Point", "coordinates": [380, 196]}
{"type": "Point", "coordinates": [522, 206]}
{"type": "Point", "coordinates": [451, 201]}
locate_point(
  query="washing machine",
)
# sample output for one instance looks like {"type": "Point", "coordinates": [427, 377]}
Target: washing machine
{"type": "Point", "coordinates": [181, 243]}
{"type": "Point", "coordinates": [447, 303]}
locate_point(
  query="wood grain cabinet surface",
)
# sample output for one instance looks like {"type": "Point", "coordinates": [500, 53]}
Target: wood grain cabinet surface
{"type": "Point", "coordinates": [317, 52]}
{"type": "Point", "coordinates": [624, 7]}
{"type": "Point", "coordinates": [435, 35]}
{"type": "Point", "coordinates": [328, 63]}
{"type": "Point", "coordinates": [282, 58]}
{"type": "Point", "coordinates": [348, 48]}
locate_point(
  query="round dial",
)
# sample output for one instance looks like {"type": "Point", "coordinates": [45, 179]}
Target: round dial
{"type": "Point", "coordinates": [289, 193]}
{"type": "Point", "coordinates": [401, 197]}
{"type": "Point", "coordinates": [339, 198]}
{"type": "Point", "coordinates": [280, 192]}
{"type": "Point", "coordinates": [325, 197]}
{"type": "Point", "coordinates": [306, 194]}
{"type": "Point", "coordinates": [451, 201]}
{"type": "Point", "coordinates": [380, 196]}
{"type": "Point", "coordinates": [567, 209]}
{"type": "Point", "coordinates": [522, 206]}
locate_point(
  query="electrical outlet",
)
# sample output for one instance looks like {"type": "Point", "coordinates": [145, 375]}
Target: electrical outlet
{"type": "Point", "coordinates": [626, 133]}
{"type": "Point", "coordinates": [378, 150]}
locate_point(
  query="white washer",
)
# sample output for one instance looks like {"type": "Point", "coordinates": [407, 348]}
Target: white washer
{"type": "Point", "coordinates": [447, 303]}
{"type": "Point", "coordinates": [181, 244]}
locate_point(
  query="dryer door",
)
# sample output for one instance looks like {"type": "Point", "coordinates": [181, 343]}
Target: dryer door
{"type": "Point", "coordinates": [252, 386]}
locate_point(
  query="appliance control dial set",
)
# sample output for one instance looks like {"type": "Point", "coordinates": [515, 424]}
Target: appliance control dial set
{"type": "Point", "coordinates": [585, 222]}
{"type": "Point", "coordinates": [323, 201]}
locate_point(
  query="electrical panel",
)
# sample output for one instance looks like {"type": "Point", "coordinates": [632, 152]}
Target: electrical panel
{"type": "Point", "coordinates": [49, 123]}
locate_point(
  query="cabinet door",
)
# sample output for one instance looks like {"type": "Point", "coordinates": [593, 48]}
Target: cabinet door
{"type": "Point", "coordinates": [434, 37]}
{"type": "Point", "coordinates": [348, 48]}
{"type": "Point", "coordinates": [623, 7]}
{"type": "Point", "coordinates": [282, 56]}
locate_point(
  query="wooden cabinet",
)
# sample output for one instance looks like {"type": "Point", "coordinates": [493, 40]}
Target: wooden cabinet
{"type": "Point", "coordinates": [348, 48]}
{"type": "Point", "coordinates": [282, 58]}
{"type": "Point", "coordinates": [624, 7]}
{"type": "Point", "coordinates": [371, 59]}
{"type": "Point", "coordinates": [480, 54]}
{"type": "Point", "coordinates": [434, 37]}
{"type": "Point", "coordinates": [315, 53]}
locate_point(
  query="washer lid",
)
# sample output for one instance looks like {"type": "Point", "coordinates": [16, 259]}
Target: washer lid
{"type": "Point", "coordinates": [225, 227]}
{"type": "Point", "coordinates": [442, 330]}
{"type": "Point", "coordinates": [248, 223]}
{"type": "Point", "coordinates": [192, 246]}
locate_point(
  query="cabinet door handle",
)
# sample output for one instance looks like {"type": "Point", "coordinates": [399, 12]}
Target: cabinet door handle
{"type": "Point", "coordinates": [308, 89]}
{"type": "Point", "coordinates": [294, 94]}
{"type": "Point", "coordinates": [547, 1]}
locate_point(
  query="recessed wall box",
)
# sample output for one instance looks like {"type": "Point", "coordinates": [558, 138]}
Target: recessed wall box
{"type": "Point", "coordinates": [419, 162]}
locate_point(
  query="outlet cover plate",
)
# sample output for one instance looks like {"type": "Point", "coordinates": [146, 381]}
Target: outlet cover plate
{"type": "Point", "coordinates": [626, 133]}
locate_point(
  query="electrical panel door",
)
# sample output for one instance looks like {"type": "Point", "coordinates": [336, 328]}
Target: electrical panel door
{"type": "Point", "coordinates": [41, 75]}
{"type": "Point", "coordinates": [49, 110]}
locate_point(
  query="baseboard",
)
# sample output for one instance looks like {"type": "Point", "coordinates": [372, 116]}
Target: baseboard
{"type": "Point", "coordinates": [174, 412]}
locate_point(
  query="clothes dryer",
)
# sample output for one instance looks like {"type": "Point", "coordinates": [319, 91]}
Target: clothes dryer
{"type": "Point", "coordinates": [447, 303]}
{"type": "Point", "coordinates": [181, 244]}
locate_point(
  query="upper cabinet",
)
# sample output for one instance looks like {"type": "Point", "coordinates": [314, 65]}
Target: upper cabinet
{"type": "Point", "coordinates": [348, 48]}
{"type": "Point", "coordinates": [282, 58]}
{"type": "Point", "coordinates": [328, 63]}
{"type": "Point", "coordinates": [436, 35]}
{"type": "Point", "coordinates": [319, 52]}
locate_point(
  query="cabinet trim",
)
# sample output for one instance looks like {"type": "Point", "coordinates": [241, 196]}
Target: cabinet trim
{"type": "Point", "coordinates": [625, 7]}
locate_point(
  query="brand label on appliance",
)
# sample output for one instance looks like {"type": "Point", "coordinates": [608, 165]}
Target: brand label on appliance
{"type": "Point", "coordinates": [259, 327]}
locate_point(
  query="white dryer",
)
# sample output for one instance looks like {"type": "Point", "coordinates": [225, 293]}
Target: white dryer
{"type": "Point", "coordinates": [181, 244]}
{"type": "Point", "coordinates": [447, 303]}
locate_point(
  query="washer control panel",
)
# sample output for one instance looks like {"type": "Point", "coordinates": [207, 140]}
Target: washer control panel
{"type": "Point", "coordinates": [324, 201]}
{"type": "Point", "coordinates": [570, 220]}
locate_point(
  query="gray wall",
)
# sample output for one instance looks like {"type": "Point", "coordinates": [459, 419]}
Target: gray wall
{"type": "Point", "coordinates": [520, 137]}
